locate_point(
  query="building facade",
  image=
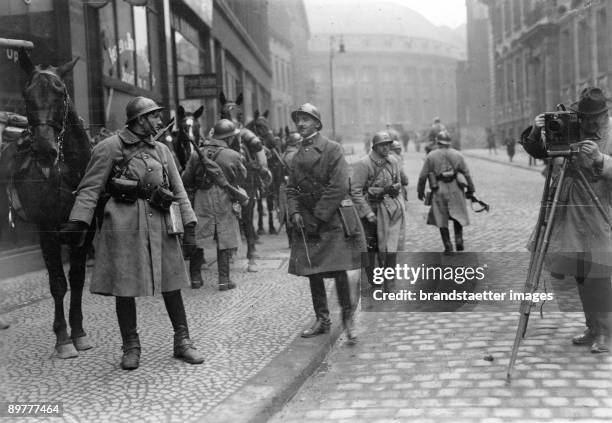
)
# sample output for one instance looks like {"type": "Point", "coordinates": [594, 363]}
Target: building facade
{"type": "Point", "coordinates": [289, 35]}
{"type": "Point", "coordinates": [383, 72]}
{"type": "Point", "coordinates": [174, 51]}
{"type": "Point", "coordinates": [545, 53]}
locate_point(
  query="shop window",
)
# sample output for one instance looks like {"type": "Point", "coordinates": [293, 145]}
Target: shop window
{"type": "Point", "coordinates": [124, 34]}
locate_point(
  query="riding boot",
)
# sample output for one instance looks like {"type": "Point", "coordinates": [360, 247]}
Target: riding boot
{"type": "Point", "coordinates": [448, 246]}
{"type": "Point", "coordinates": [319, 303]}
{"type": "Point", "coordinates": [344, 298]}
{"type": "Point", "coordinates": [126, 316]}
{"type": "Point", "coordinates": [260, 227]}
{"type": "Point", "coordinates": [195, 263]}
{"type": "Point", "coordinates": [458, 235]}
{"type": "Point", "coordinates": [223, 267]}
{"type": "Point", "coordinates": [183, 347]}
{"type": "Point", "coordinates": [271, 229]}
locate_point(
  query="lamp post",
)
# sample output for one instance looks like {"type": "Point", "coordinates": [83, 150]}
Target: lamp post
{"type": "Point", "coordinates": [332, 40]}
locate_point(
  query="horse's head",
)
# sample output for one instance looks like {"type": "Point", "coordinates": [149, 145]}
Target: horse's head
{"type": "Point", "coordinates": [231, 110]}
{"type": "Point", "coordinates": [188, 124]}
{"type": "Point", "coordinates": [47, 107]}
{"type": "Point", "coordinates": [262, 128]}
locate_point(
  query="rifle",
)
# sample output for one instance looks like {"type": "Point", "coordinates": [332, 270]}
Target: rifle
{"type": "Point", "coordinates": [163, 130]}
{"type": "Point", "coordinates": [215, 171]}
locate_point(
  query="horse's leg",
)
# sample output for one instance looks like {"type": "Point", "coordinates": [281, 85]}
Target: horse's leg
{"type": "Point", "coordinates": [260, 228]}
{"type": "Point", "coordinates": [270, 205]}
{"type": "Point", "coordinates": [76, 276]}
{"type": "Point", "coordinates": [249, 233]}
{"type": "Point", "coordinates": [52, 254]}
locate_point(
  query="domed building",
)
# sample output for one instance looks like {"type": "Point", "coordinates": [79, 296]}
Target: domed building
{"type": "Point", "coordinates": [389, 65]}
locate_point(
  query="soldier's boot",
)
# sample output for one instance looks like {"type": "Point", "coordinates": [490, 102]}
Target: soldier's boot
{"type": "Point", "coordinates": [223, 265]}
{"type": "Point", "coordinates": [183, 347]}
{"type": "Point", "coordinates": [271, 229]}
{"type": "Point", "coordinates": [195, 263]}
{"type": "Point", "coordinates": [448, 246]}
{"type": "Point", "coordinates": [458, 235]}
{"type": "Point", "coordinates": [126, 316]}
{"type": "Point", "coordinates": [260, 215]}
{"type": "Point", "coordinates": [319, 303]}
{"type": "Point", "coordinates": [344, 297]}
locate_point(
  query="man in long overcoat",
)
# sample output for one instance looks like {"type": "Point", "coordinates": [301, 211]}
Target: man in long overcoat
{"type": "Point", "coordinates": [448, 202]}
{"type": "Point", "coordinates": [292, 146]}
{"type": "Point", "coordinates": [318, 184]}
{"type": "Point", "coordinates": [212, 204]}
{"type": "Point", "coordinates": [136, 256]}
{"type": "Point", "coordinates": [376, 191]}
{"type": "Point", "coordinates": [580, 242]}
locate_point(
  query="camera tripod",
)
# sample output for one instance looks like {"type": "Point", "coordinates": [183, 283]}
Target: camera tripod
{"type": "Point", "coordinates": [548, 211]}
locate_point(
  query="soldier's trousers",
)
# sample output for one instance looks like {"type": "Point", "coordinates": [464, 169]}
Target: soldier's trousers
{"type": "Point", "coordinates": [384, 259]}
{"type": "Point", "coordinates": [596, 298]}
{"type": "Point", "coordinates": [319, 297]}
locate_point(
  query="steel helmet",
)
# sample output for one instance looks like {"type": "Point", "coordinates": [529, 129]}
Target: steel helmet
{"type": "Point", "coordinates": [139, 106]}
{"type": "Point", "coordinates": [381, 137]}
{"type": "Point", "coordinates": [308, 109]}
{"type": "Point", "coordinates": [293, 139]}
{"type": "Point", "coordinates": [396, 146]}
{"type": "Point", "coordinates": [224, 128]}
{"type": "Point", "coordinates": [443, 137]}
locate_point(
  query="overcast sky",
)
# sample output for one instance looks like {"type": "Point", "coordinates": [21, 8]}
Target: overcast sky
{"type": "Point", "coordinates": [440, 12]}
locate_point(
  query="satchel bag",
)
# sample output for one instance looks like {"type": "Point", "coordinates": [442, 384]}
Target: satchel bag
{"type": "Point", "coordinates": [174, 220]}
{"type": "Point", "coordinates": [351, 224]}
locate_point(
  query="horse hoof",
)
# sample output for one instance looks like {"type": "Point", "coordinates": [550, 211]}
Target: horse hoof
{"type": "Point", "coordinates": [65, 351]}
{"type": "Point", "coordinates": [82, 343]}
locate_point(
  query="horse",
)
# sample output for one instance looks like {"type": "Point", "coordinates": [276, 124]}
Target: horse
{"type": "Point", "coordinates": [188, 131]}
{"type": "Point", "coordinates": [272, 146]}
{"type": "Point", "coordinates": [257, 168]}
{"type": "Point", "coordinates": [41, 170]}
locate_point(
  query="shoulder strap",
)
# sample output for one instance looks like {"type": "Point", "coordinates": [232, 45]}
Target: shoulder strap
{"type": "Point", "coordinates": [379, 169]}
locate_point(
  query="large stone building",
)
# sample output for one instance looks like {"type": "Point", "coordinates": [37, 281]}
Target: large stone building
{"type": "Point", "coordinates": [545, 53]}
{"type": "Point", "coordinates": [289, 33]}
{"type": "Point", "coordinates": [396, 67]}
{"type": "Point", "coordinates": [474, 96]}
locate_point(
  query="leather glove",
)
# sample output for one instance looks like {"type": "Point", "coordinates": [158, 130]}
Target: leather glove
{"type": "Point", "coordinates": [311, 224]}
{"type": "Point", "coordinates": [421, 196]}
{"type": "Point", "coordinates": [73, 233]}
{"type": "Point", "coordinates": [297, 220]}
{"type": "Point", "coordinates": [189, 240]}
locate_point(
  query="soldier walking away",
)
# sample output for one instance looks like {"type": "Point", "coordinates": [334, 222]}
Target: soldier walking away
{"type": "Point", "coordinates": [216, 211]}
{"type": "Point", "coordinates": [376, 191]}
{"type": "Point", "coordinates": [491, 144]}
{"type": "Point", "coordinates": [510, 144]}
{"type": "Point", "coordinates": [134, 180]}
{"type": "Point", "coordinates": [434, 130]}
{"type": "Point", "coordinates": [323, 244]}
{"type": "Point", "coordinates": [292, 147]}
{"type": "Point", "coordinates": [580, 244]}
{"type": "Point", "coordinates": [447, 173]}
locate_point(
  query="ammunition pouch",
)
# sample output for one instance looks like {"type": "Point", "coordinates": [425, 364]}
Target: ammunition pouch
{"type": "Point", "coordinates": [124, 190]}
{"type": "Point", "coordinates": [161, 198]}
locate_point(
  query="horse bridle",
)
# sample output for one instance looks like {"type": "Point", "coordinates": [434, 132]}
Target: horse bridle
{"type": "Point", "coordinates": [60, 127]}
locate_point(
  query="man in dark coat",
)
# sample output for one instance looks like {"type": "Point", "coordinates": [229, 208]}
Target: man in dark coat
{"type": "Point", "coordinates": [321, 247]}
{"type": "Point", "coordinates": [292, 147]}
{"type": "Point", "coordinates": [136, 254]}
{"type": "Point", "coordinates": [580, 241]}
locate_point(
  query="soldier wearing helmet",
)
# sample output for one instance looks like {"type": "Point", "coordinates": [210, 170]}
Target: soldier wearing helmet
{"type": "Point", "coordinates": [447, 172]}
{"type": "Point", "coordinates": [376, 192]}
{"type": "Point", "coordinates": [435, 129]}
{"type": "Point", "coordinates": [320, 245]}
{"type": "Point", "coordinates": [213, 204]}
{"type": "Point", "coordinates": [292, 145]}
{"type": "Point", "coordinates": [396, 151]}
{"type": "Point", "coordinates": [138, 251]}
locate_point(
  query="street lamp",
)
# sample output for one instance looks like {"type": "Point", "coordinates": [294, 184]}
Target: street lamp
{"type": "Point", "coordinates": [332, 41]}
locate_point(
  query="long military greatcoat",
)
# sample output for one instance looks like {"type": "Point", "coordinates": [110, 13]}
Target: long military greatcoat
{"type": "Point", "coordinates": [371, 175]}
{"type": "Point", "coordinates": [318, 183]}
{"type": "Point", "coordinates": [579, 229]}
{"type": "Point", "coordinates": [213, 205]}
{"type": "Point", "coordinates": [448, 200]}
{"type": "Point", "coordinates": [135, 256]}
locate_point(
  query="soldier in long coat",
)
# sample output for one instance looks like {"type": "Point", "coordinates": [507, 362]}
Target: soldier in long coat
{"type": "Point", "coordinates": [448, 202]}
{"type": "Point", "coordinates": [292, 146]}
{"type": "Point", "coordinates": [135, 254]}
{"type": "Point", "coordinates": [580, 242]}
{"type": "Point", "coordinates": [376, 191]}
{"type": "Point", "coordinates": [320, 247]}
{"type": "Point", "coordinates": [212, 204]}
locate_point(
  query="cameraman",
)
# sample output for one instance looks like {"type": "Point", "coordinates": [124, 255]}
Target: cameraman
{"type": "Point", "coordinates": [580, 244]}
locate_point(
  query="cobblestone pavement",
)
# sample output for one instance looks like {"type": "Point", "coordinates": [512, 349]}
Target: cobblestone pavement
{"type": "Point", "coordinates": [239, 331]}
{"type": "Point", "coordinates": [431, 367]}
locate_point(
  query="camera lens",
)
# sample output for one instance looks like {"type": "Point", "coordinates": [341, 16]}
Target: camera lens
{"type": "Point", "coordinates": [555, 125]}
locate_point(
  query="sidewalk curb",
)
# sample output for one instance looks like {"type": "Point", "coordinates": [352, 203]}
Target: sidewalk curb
{"type": "Point", "coordinates": [526, 167]}
{"type": "Point", "coordinates": [271, 388]}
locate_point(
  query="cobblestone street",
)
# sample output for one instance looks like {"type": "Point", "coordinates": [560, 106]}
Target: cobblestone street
{"type": "Point", "coordinates": [431, 367]}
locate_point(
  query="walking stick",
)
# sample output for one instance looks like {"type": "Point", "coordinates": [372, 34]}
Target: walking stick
{"type": "Point", "coordinates": [305, 246]}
